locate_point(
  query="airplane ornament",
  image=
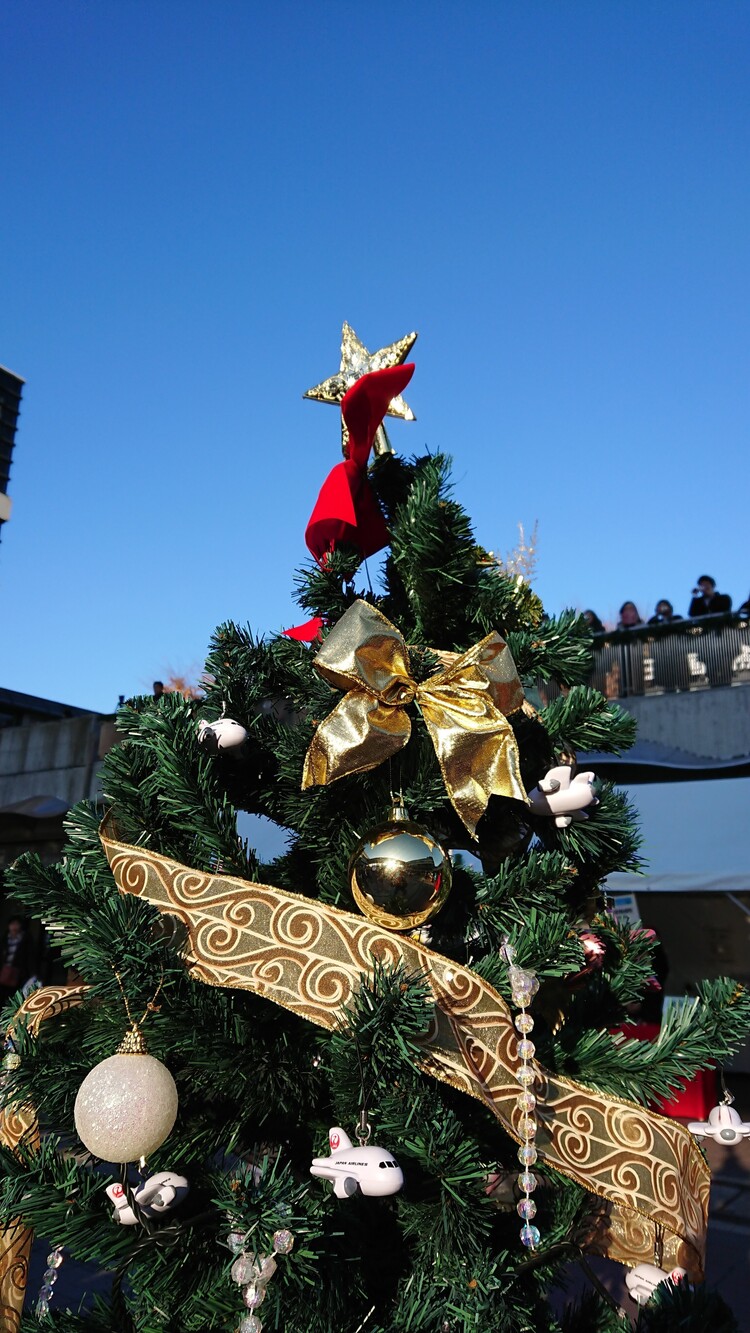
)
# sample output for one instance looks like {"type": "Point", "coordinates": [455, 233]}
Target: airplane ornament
{"type": "Point", "coordinates": [372, 1170]}
{"type": "Point", "coordinates": [223, 734]}
{"type": "Point", "coordinates": [563, 796]}
{"type": "Point", "coordinates": [157, 1195]}
{"type": "Point", "coordinates": [642, 1281]}
{"type": "Point", "coordinates": [724, 1125]}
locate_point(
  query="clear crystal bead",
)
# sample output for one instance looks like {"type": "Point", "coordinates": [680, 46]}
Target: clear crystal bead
{"type": "Point", "coordinates": [525, 1075]}
{"type": "Point", "coordinates": [254, 1295]}
{"type": "Point", "coordinates": [42, 1307]}
{"type": "Point", "coordinates": [244, 1269]}
{"type": "Point", "coordinates": [526, 1209]}
{"type": "Point", "coordinates": [46, 1292]}
{"type": "Point", "coordinates": [526, 1101]}
{"type": "Point", "coordinates": [267, 1267]}
{"type": "Point", "coordinates": [523, 984]}
{"type": "Point", "coordinates": [250, 1324]}
{"type": "Point", "coordinates": [530, 1236]}
{"type": "Point", "coordinates": [236, 1241]}
{"type": "Point", "coordinates": [524, 1023]}
{"type": "Point", "coordinates": [527, 1154]}
{"type": "Point", "coordinates": [50, 1277]}
{"type": "Point", "coordinates": [526, 1050]}
{"type": "Point", "coordinates": [527, 1181]}
{"type": "Point", "coordinates": [283, 1241]}
{"type": "Point", "coordinates": [527, 1127]}
{"type": "Point", "coordinates": [55, 1258]}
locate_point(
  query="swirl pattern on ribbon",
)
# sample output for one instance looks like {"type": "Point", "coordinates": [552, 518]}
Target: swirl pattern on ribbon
{"type": "Point", "coordinates": [647, 1170]}
{"type": "Point", "coordinates": [17, 1123]}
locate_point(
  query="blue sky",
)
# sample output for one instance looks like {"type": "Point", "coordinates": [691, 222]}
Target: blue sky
{"type": "Point", "coordinates": [196, 195]}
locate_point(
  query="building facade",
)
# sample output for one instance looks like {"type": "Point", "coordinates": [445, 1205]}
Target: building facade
{"type": "Point", "coordinates": [11, 387]}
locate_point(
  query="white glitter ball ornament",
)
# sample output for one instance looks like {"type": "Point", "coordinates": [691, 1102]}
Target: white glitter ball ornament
{"type": "Point", "coordinates": [126, 1107]}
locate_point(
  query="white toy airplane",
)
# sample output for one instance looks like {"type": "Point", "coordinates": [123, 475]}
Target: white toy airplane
{"type": "Point", "coordinates": [556, 794]}
{"type": "Point", "coordinates": [223, 734]}
{"type": "Point", "coordinates": [642, 1281]}
{"type": "Point", "coordinates": [371, 1168]}
{"type": "Point", "coordinates": [161, 1192]}
{"type": "Point", "coordinates": [723, 1124]}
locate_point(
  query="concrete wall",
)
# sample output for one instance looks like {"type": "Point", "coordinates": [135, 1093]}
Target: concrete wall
{"type": "Point", "coordinates": [709, 724]}
{"type": "Point", "coordinates": [58, 759]}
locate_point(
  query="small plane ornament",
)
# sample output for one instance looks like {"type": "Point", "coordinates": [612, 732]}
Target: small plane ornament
{"type": "Point", "coordinates": [157, 1195]}
{"type": "Point", "coordinates": [724, 1124]}
{"type": "Point", "coordinates": [642, 1281]}
{"type": "Point", "coordinates": [371, 1169]}
{"type": "Point", "coordinates": [563, 796]}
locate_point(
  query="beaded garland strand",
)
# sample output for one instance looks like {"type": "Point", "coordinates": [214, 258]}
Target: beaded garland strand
{"type": "Point", "coordinates": [524, 986]}
{"type": "Point", "coordinates": [46, 1291]}
{"type": "Point", "coordinates": [253, 1271]}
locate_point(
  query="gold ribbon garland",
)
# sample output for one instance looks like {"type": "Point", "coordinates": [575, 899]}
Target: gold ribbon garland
{"type": "Point", "coordinates": [20, 1125]}
{"type": "Point", "coordinates": [648, 1173]}
{"type": "Point", "coordinates": [464, 706]}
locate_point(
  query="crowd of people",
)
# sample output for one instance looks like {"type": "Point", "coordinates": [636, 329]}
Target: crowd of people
{"type": "Point", "coordinates": [705, 601]}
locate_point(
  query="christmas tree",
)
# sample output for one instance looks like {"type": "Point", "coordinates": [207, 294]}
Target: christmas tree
{"type": "Point", "coordinates": [429, 968]}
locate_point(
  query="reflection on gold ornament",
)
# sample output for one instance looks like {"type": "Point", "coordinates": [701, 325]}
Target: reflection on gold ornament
{"type": "Point", "coordinates": [399, 875]}
{"type": "Point", "coordinates": [356, 361]}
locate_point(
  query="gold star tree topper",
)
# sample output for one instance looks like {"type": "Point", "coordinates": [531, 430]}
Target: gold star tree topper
{"type": "Point", "coordinates": [355, 362]}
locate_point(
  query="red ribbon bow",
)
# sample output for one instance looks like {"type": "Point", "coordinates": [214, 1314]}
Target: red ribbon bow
{"type": "Point", "coordinates": [347, 509]}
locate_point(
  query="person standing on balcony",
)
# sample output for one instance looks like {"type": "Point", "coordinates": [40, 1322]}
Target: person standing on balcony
{"type": "Point", "coordinates": [593, 622]}
{"type": "Point", "coordinates": [664, 613]}
{"type": "Point", "coordinates": [630, 654]}
{"type": "Point", "coordinates": [630, 616]}
{"type": "Point", "coordinates": [707, 601]}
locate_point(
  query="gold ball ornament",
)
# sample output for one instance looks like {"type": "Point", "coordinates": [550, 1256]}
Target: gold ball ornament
{"type": "Point", "coordinates": [399, 875]}
{"type": "Point", "coordinates": [127, 1105]}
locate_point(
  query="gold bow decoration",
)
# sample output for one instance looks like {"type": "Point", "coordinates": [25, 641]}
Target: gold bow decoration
{"type": "Point", "coordinates": [20, 1125]}
{"type": "Point", "coordinates": [464, 706]}
{"type": "Point", "coordinates": [649, 1175]}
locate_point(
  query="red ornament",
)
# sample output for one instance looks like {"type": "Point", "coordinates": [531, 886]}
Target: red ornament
{"type": "Point", "coordinates": [310, 632]}
{"type": "Point", "coordinates": [347, 510]}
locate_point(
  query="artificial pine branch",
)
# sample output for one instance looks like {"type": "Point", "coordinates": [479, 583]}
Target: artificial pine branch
{"type": "Point", "coordinates": [690, 1038]}
{"type": "Point", "coordinates": [606, 842]}
{"type": "Point", "coordinates": [433, 551]}
{"type": "Point", "coordinates": [680, 1308]}
{"type": "Point", "coordinates": [584, 720]}
{"type": "Point", "coordinates": [327, 591]}
{"type": "Point", "coordinates": [559, 649]}
{"type": "Point", "coordinates": [502, 602]}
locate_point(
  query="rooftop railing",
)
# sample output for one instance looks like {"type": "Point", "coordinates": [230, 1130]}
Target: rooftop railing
{"type": "Point", "coordinates": [697, 654]}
